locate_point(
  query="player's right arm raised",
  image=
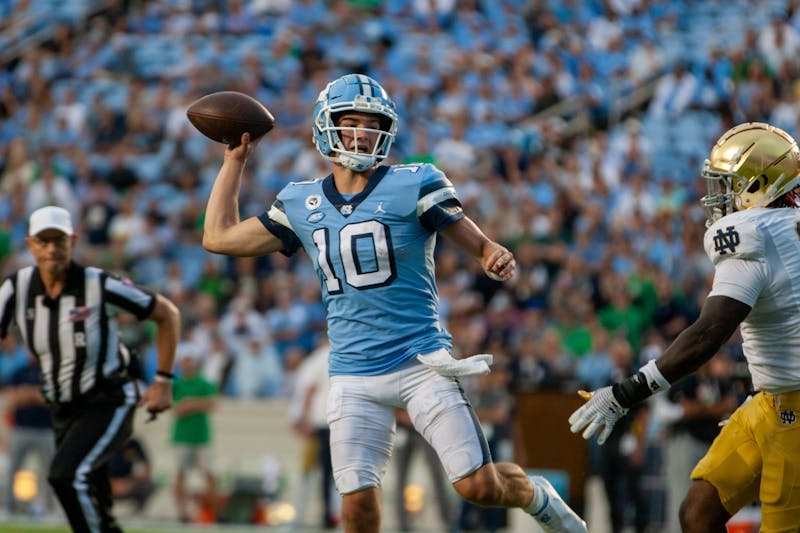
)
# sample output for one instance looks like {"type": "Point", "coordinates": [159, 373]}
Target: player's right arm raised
{"type": "Point", "coordinates": [223, 232]}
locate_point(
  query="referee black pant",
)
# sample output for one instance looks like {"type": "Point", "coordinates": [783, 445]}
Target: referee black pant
{"type": "Point", "coordinates": [86, 438]}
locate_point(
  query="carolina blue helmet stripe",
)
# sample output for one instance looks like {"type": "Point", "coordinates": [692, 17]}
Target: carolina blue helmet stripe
{"type": "Point", "coordinates": [365, 85]}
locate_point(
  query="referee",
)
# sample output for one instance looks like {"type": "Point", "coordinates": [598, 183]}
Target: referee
{"type": "Point", "coordinates": [65, 313]}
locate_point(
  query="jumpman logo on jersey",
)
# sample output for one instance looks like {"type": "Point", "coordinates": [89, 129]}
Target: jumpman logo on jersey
{"type": "Point", "coordinates": [379, 209]}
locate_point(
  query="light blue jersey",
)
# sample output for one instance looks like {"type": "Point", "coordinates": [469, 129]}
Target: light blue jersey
{"type": "Point", "coordinates": [373, 254]}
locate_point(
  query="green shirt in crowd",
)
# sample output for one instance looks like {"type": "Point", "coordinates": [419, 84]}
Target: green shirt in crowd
{"type": "Point", "coordinates": [194, 428]}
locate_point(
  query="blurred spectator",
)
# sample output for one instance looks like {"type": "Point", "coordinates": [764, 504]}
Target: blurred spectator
{"type": "Point", "coordinates": [19, 170]}
{"type": "Point", "coordinates": [240, 324]}
{"type": "Point", "coordinates": [13, 357]}
{"type": "Point", "coordinates": [99, 209]}
{"type": "Point", "coordinates": [286, 320]}
{"type": "Point", "coordinates": [50, 189]}
{"type": "Point", "coordinates": [195, 398]}
{"type": "Point", "coordinates": [257, 371]}
{"type": "Point", "coordinates": [624, 453]}
{"type": "Point", "coordinates": [702, 399]}
{"type": "Point", "coordinates": [674, 92]}
{"type": "Point", "coordinates": [120, 176]}
{"type": "Point", "coordinates": [308, 413]}
{"type": "Point", "coordinates": [131, 474]}
{"type": "Point", "coordinates": [408, 443]}
{"type": "Point", "coordinates": [778, 42]}
{"type": "Point", "coordinates": [29, 432]}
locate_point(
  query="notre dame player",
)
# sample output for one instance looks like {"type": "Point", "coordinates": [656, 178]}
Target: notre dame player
{"type": "Point", "coordinates": [753, 239]}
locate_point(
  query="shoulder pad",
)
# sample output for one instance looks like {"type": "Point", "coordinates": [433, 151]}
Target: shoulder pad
{"type": "Point", "coordinates": [734, 236]}
{"type": "Point", "coordinates": [300, 189]}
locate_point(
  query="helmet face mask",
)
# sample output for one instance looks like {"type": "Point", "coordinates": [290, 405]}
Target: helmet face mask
{"type": "Point", "coordinates": [751, 165]}
{"type": "Point", "coordinates": [354, 93]}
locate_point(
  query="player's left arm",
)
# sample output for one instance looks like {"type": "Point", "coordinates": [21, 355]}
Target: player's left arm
{"type": "Point", "coordinates": [496, 260]}
{"type": "Point", "coordinates": [718, 320]}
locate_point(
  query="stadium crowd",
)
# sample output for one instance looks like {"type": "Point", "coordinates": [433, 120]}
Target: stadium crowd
{"type": "Point", "coordinates": [574, 132]}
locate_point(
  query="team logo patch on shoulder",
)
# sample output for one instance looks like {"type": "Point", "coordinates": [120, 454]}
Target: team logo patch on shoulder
{"type": "Point", "coordinates": [726, 241]}
{"type": "Point", "coordinates": [316, 216]}
{"type": "Point", "coordinates": [313, 201]}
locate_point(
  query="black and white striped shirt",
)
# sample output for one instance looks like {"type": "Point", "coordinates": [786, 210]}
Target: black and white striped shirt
{"type": "Point", "coordinates": [75, 337]}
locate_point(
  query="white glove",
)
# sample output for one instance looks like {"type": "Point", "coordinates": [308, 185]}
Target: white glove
{"type": "Point", "coordinates": [601, 409]}
{"type": "Point", "coordinates": [443, 363]}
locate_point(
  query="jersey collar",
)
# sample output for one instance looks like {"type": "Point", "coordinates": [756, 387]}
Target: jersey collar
{"type": "Point", "coordinates": [347, 207]}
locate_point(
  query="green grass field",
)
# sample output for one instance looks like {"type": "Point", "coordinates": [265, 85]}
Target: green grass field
{"type": "Point", "coordinates": [30, 528]}
{"type": "Point", "coordinates": [177, 528]}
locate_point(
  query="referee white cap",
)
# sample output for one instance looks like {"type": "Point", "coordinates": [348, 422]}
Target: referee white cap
{"type": "Point", "coordinates": [50, 217]}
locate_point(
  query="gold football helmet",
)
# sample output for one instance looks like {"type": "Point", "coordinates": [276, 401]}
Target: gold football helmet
{"type": "Point", "coordinates": [752, 165]}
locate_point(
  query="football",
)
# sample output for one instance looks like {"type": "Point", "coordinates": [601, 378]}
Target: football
{"type": "Point", "coordinates": [224, 116]}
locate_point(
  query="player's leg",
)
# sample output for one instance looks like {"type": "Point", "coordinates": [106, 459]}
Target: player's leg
{"type": "Point", "coordinates": [496, 485]}
{"type": "Point", "coordinates": [779, 436]}
{"type": "Point", "coordinates": [728, 477]}
{"type": "Point", "coordinates": [361, 510]}
{"type": "Point", "coordinates": [702, 510]}
{"type": "Point", "coordinates": [441, 413]}
{"type": "Point", "coordinates": [86, 442]}
{"type": "Point", "coordinates": [362, 429]}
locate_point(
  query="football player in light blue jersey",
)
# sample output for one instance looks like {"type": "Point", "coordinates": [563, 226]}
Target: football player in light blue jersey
{"type": "Point", "coordinates": [370, 231]}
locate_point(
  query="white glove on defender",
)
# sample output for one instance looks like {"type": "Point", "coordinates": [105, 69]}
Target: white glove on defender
{"type": "Point", "coordinates": [601, 409]}
{"type": "Point", "coordinates": [443, 363]}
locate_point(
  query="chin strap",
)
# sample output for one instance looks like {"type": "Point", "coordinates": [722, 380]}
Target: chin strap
{"type": "Point", "coordinates": [359, 163]}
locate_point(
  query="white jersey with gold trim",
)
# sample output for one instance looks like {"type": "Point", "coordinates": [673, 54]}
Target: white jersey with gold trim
{"type": "Point", "coordinates": [756, 256]}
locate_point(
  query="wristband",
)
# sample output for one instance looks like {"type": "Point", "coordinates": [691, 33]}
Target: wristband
{"type": "Point", "coordinates": [640, 386]}
{"type": "Point", "coordinates": [655, 379]}
{"type": "Point", "coordinates": [163, 376]}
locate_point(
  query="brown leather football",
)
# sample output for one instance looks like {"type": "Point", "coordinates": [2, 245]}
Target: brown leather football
{"type": "Point", "coordinates": [224, 116]}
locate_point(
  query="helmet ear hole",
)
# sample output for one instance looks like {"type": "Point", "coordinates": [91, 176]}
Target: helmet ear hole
{"type": "Point", "coordinates": [385, 123]}
{"type": "Point", "coordinates": [758, 184]}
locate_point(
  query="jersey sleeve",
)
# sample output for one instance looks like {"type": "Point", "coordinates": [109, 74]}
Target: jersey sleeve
{"type": "Point", "coordinates": [7, 300]}
{"type": "Point", "coordinates": [277, 222]}
{"type": "Point", "coordinates": [123, 294]}
{"type": "Point", "coordinates": [438, 205]}
{"type": "Point", "coordinates": [739, 279]}
{"type": "Point", "coordinates": [736, 248]}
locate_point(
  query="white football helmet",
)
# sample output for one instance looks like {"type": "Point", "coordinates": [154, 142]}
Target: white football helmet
{"type": "Point", "coordinates": [752, 165]}
{"type": "Point", "coordinates": [353, 92]}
